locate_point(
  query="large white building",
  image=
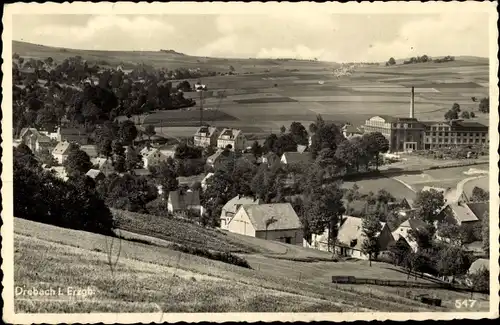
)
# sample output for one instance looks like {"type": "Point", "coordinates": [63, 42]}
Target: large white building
{"type": "Point", "coordinates": [206, 136]}
{"type": "Point", "coordinates": [232, 137]}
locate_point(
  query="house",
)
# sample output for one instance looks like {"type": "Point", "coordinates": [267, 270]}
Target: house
{"type": "Point", "coordinates": [206, 136]}
{"type": "Point", "coordinates": [232, 137]}
{"type": "Point", "coordinates": [95, 174]}
{"type": "Point", "coordinates": [479, 264]}
{"type": "Point", "coordinates": [77, 135]}
{"type": "Point", "coordinates": [156, 138]}
{"type": "Point", "coordinates": [60, 172]}
{"type": "Point", "coordinates": [61, 151]}
{"type": "Point", "coordinates": [276, 221]}
{"type": "Point", "coordinates": [360, 208]}
{"type": "Point", "coordinates": [350, 131]}
{"type": "Point", "coordinates": [153, 157]}
{"type": "Point", "coordinates": [402, 206]}
{"type": "Point", "coordinates": [34, 139]}
{"type": "Point", "coordinates": [217, 158]}
{"type": "Point", "coordinates": [179, 201]}
{"type": "Point", "coordinates": [403, 232]}
{"type": "Point", "coordinates": [231, 207]}
{"type": "Point", "coordinates": [190, 180]}
{"type": "Point", "coordinates": [466, 213]}
{"type": "Point", "coordinates": [90, 150]}
{"type": "Point", "coordinates": [141, 172]}
{"type": "Point", "coordinates": [289, 158]}
{"type": "Point", "coordinates": [350, 238]}
{"type": "Point", "coordinates": [301, 148]}
{"type": "Point", "coordinates": [168, 150]}
{"type": "Point", "coordinates": [105, 165]}
{"type": "Point", "coordinates": [204, 181]}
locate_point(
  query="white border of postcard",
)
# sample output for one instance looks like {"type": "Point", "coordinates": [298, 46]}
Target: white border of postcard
{"type": "Point", "coordinates": [242, 8]}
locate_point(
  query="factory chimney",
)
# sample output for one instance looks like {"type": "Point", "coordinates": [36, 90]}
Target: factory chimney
{"type": "Point", "coordinates": [412, 103]}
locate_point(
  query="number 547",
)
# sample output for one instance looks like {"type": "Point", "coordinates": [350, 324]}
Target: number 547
{"type": "Point", "coordinates": [465, 303]}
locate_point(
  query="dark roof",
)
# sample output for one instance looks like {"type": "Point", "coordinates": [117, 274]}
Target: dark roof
{"type": "Point", "coordinates": [180, 201]}
{"type": "Point", "coordinates": [469, 125]}
{"type": "Point", "coordinates": [283, 214]}
{"type": "Point", "coordinates": [393, 119]}
{"type": "Point", "coordinates": [297, 157]}
{"type": "Point", "coordinates": [479, 208]}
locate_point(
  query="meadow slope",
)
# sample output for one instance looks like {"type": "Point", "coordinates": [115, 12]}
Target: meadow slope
{"type": "Point", "coordinates": [152, 278]}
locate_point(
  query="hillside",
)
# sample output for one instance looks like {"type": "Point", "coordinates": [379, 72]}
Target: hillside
{"type": "Point", "coordinates": [169, 59]}
{"type": "Point", "coordinates": [153, 278]}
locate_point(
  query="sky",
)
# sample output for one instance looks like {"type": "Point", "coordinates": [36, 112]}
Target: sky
{"type": "Point", "coordinates": [328, 37]}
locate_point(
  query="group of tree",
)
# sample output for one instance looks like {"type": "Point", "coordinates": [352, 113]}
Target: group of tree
{"type": "Point", "coordinates": [41, 196]}
{"type": "Point", "coordinates": [484, 105]}
{"type": "Point", "coordinates": [447, 58]}
{"type": "Point", "coordinates": [452, 114]}
{"type": "Point", "coordinates": [418, 59]}
{"type": "Point", "coordinates": [49, 92]}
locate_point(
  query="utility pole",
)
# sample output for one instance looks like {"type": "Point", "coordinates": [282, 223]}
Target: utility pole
{"type": "Point", "coordinates": [201, 107]}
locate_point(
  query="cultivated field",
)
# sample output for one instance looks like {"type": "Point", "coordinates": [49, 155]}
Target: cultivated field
{"type": "Point", "coordinates": [266, 93]}
{"type": "Point", "coordinates": [152, 278]}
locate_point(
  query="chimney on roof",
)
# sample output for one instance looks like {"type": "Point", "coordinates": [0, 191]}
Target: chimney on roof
{"type": "Point", "coordinates": [412, 103]}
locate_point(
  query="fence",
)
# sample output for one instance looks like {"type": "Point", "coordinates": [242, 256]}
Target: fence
{"type": "Point", "coordinates": [396, 283]}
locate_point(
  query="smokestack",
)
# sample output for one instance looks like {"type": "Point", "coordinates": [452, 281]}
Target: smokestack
{"type": "Point", "coordinates": [412, 103]}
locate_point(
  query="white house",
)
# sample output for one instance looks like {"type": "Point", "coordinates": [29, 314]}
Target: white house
{"type": "Point", "coordinates": [231, 207]}
{"type": "Point", "coordinates": [153, 157]}
{"type": "Point", "coordinates": [276, 221]}
{"type": "Point", "coordinates": [296, 157]}
{"type": "Point", "coordinates": [403, 232]}
{"type": "Point", "coordinates": [232, 137]}
{"type": "Point", "coordinates": [350, 238]}
{"type": "Point", "coordinates": [168, 150]}
{"type": "Point", "coordinates": [206, 136]}
{"type": "Point", "coordinates": [61, 151]}
{"type": "Point", "coordinates": [95, 174]}
{"type": "Point", "coordinates": [34, 139]}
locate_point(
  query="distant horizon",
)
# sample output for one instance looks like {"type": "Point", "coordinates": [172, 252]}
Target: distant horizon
{"type": "Point", "coordinates": [327, 37]}
{"type": "Point", "coordinates": [244, 58]}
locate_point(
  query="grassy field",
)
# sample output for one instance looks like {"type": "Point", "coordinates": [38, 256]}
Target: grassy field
{"type": "Point", "coordinates": [151, 278]}
{"type": "Point", "coordinates": [270, 87]}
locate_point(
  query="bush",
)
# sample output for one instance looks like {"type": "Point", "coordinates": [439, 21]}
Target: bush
{"type": "Point", "coordinates": [225, 257]}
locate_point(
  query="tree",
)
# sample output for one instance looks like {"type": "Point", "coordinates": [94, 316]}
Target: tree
{"type": "Point", "coordinates": [327, 136]}
{"type": "Point", "coordinates": [456, 107]}
{"type": "Point", "coordinates": [465, 115]}
{"type": "Point", "coordinates": [256, 149]}
{"type": "Point", "coordinates": [399, 250]}
{"type": "Point", "coordinates": [451, 115]}
{"type": "Point", "coordinates": [282, 129]}
{"type": "Point", "coordinates": [347, 154]}
{"type": "Point", "coordinates": [284, 143]}
{"type": "Point", "coordinates": [481, 280]}
{"type": "Point", "coordinates": [485, 222]}
{"type": "Point", "coordinates": [479, 195]}
{"type": "Point", "coordinates": [375, 143]}
{"type": "Point", "coordinates": [452, 261]}
{"type": "Point", "coordinates": [371, 228]}
{"type": "Point", "coordinates": [127, 132]}
{"type": "Point", "coordinates": [423, 236]}
{"type": "Point", "coordinates": [133, 159]}
{"type": "Point", "coordinates": [269, 143]}
{"type": "Point", "coordinates": [299, 133]}
{"type": "Point", "coordinates": [149, 131]}
{"type": "Point", "coordinates": [484, 105]}
{"type": "Point", "coordinates": [324, 207]}
{"type": "Point", "coordinates": [184, 86]}
{"type": "Point", "coordinates": [472, 115]}
{"type": "Point", "coordinates": [391, 61]}
{"type": "Point", "coordinates": [25, 157]}
{"type": "Point", "coordinates": [77, 162]}
{"type": "Point", "coordinates": [428, 205]}
{"type": "Point", "coordinates": [168, 177]}
{"type": "Point", "coordinates": [104, 147]}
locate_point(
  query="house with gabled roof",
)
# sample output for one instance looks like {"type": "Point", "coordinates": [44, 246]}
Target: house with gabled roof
{"type": "Point", "coordinates": [350, 238]}
{"type": "Point", "coordinates": [61, 151]}
{"type": "Point", "coordinates": [90, 150]}
{"type": "Point", "coordinates": [218, 157]}
{"type": "Point", "coordinates": [231, 137]}
{"type": "Point", "coordinates": [153, 157]}
{"type": "Point", "coordinates": [403, 232]}
{"type": "Point", "coordinates": [289, 158]}
{"type": "Point", "coordinates": [206, 136]}
{"type": "Point", "coordinates": [34, 139]}
{"type": "Point", "coordinates": [232, 206]}
{"type": "Point", "coordinates": [276, 221]}
{"type": "Point", "coordinates": [95, 174]}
